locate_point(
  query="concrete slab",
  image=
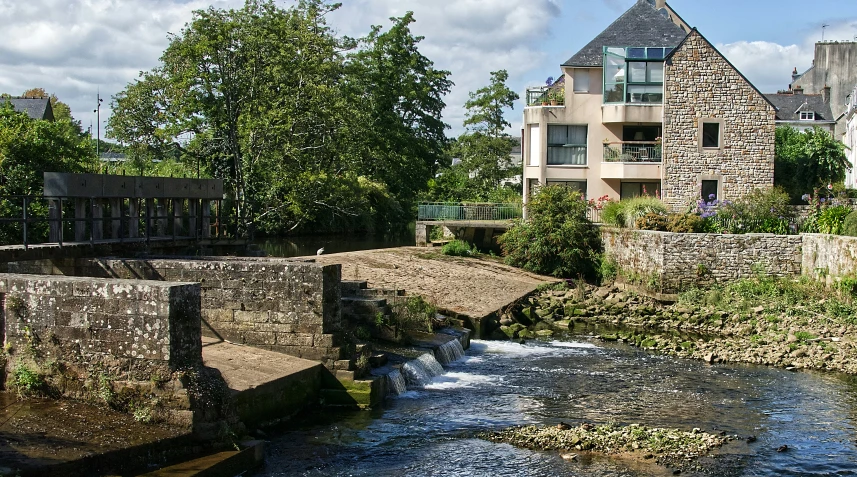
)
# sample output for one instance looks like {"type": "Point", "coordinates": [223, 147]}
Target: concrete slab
{"type": "Point", "coordinates": [265, 385]}
{"type": "Point", "coordinates": [246, 367]}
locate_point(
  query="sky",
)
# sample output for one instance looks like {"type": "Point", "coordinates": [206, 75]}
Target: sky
{"type": "Point", "coordinates": [78, 49]}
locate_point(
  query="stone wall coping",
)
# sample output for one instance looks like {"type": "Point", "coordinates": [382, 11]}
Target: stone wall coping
{"type": "Point", "coordinates": [70, 279]}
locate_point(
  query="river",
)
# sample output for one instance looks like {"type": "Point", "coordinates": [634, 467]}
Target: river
{"type": "Point", "coordinates": [303, 245]}
{"type": "Point", "coordinates": [430, 430]}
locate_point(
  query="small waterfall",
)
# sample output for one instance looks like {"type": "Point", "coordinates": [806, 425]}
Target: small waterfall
{"type": "Point", "coordinates": [418, 372]}
{"type": "Point", "coordinates": [449, 352]}
{"type": "Point", "coordinates": [396, 382]}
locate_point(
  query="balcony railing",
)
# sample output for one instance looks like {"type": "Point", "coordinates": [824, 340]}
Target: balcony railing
{"type": "Point", "coordinates": [471, 211]}
{"type": "Point", "coordinates": [545, 95]}
{"type": "Point", "coordinates": [632, 151]}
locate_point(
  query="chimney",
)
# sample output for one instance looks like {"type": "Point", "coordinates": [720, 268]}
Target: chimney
{"type": "Point", "coordinates": [825, 94]}
{"type": "Point", "coordinates": [795, 76]}
{"type": "Point", "coordinates": [798, 89]}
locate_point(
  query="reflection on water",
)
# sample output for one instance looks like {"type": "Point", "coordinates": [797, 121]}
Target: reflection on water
{"type": "Point", "coordinates": [499, 384]}
{"type": "Point", "coordinates": [308, 245]}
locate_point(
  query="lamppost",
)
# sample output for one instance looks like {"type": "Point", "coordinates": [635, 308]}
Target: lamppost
{"type": "Point", "coordinates": [97, 112]}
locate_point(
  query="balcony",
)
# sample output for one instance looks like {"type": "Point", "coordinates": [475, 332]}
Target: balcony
{"type": "Point", "coordinates": [631, 160]}
{"type": "Point", "coordinates": [546, 95]}
{"type": "Point", "coordinates": [632, 151]}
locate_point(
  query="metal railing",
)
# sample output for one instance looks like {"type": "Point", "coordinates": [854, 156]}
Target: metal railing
{"type": "Point", "coordinates": [632, 151]}
{"type": "Point", "coordinates": [464, 211]}
{"type": "Point", "coordinates": [543, 95]}
{"type": "Point", "coordinates": [29, 220]}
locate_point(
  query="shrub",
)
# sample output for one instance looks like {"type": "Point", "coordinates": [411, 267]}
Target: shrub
{"type": "Point", "coordinates": [760, 211]}
{"type": "Point", "coordinates": [458, 248]}
{"type": "Point", "coordinates": [556, 239]}
{"type": "Point", "coordinates": [652, 221]}
{"type": "Point", "coordinates": [685, 223]}
{"type": "Point", "coordinates": [831, 219]}
{"type": "Point", "coordinates": [611, 213]}
{"type": "Point", "coordinates": [608, 269]}
{"type": "Point", "coordinates": [849, 227]}
{"type": "Point", "coordinates": [27, 382]}
{"type": "Point", "coordinates": [639, 206]}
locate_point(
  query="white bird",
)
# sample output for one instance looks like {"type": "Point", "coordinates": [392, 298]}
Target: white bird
{"type": "Point", "coordinates": [319, 251]}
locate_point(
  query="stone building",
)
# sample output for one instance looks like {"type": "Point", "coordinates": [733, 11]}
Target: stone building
{"type": "Point", "coordinates": [649, 106]}
{"type": "Point", "coordinates": [835, 67]}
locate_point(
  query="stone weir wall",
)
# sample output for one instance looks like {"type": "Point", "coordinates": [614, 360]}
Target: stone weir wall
{"type": "Point", "coordinates": [672, 262]}
{"type": "Point", "coordinates": [829, 256]}
{"type": "Point", "coordinates": [126, 343]}
{"type": "Point", "coordinates": [292, 307]}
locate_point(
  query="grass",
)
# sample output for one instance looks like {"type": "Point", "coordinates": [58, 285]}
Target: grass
{"type": "Point", "coordinates": [459, 248]}
{"type": "Point", "coordinates": [803, 298]}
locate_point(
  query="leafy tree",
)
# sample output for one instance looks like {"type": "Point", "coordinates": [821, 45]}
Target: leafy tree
{"type": "Point", "coordinates": [400, 94]}
{"type": "Point", "coordinates": [556, 238]}
{"type": "Point", "coordinates": [305, 136]}
{"type": "Point", "coordinates": [61, 110]}
{"type": "Point", "coordinates": [485, 148]}
{"type": "Point", "coordinates": [28, 148]}
{"type": "Point", "coordinates": [807, 160]}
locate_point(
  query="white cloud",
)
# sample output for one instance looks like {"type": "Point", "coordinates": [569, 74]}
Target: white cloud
{"type": "Point", "coordinates": [769, 65]}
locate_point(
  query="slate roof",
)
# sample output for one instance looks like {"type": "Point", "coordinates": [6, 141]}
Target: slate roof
{"type": "Point", "coordinates": [789, 106]}
{"type": "Point", "coordinates": [641, 25]}
{"type": "Point", "coordinates": [36, 108]}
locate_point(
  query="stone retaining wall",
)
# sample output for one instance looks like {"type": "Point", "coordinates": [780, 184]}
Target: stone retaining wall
{"type": "Point", "coordinates": [671, 262]}
{"type": "Point", "coordinates": [123, 342]}
{"type": "Point", "coordinates": [829, 256]}
{"type": "Point", "coordinates": [287, 306]}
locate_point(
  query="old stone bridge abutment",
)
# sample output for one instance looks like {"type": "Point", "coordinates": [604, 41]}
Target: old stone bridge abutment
{"type": "Point", "coordinates": [133, 332]}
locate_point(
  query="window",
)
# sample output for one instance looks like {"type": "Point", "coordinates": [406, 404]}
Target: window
{"type": "Point", "coordinates": [581, 80]}
{"type": "Point", "coordinates": [630, 78]}
{"type": "Point", "coordinates": [532, 186]}
{"type": "Point", "coordinates": [711, 135]}
{"type": "Point", "coordinates": [637, 189]}
{"type": "Point", "coordinates": [576, 185]}
{"type": "Point", "coordinates": [566, 145]}
{"type": "Point", "coordinates": [535, 145]}
{"type": "Point", "coordinates": [709, 190]}
{"type": "Point", "coordinates": [807, 115]}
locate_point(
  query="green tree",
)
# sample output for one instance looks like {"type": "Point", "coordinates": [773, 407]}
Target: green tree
{"type": "Point", "coordinates": [807, 160]}
{"type": "Point", "coordinates": [556, 238]}
{"type": "Point", "coordinates": [485, 148]}
{"type": "Point", "coordinates": [401, 136]}
{"type": "Point", "coordinates": [28, 149]}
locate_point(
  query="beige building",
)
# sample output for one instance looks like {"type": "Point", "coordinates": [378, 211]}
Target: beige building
{"type": "Point", "coordinates": [649, 106]}
{"type": "Point", "coordinates": [850, 138]}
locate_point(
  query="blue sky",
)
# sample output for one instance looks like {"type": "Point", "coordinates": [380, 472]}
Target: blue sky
{"type": "Point", "coordinates": [74, 48]}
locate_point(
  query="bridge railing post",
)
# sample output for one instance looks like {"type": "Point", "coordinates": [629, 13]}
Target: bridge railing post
{"type": "Point", "coordinates": [24, 227]}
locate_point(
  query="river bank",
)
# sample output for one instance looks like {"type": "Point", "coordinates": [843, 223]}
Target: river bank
{"type": "Point", "coordinates": [796, 324]}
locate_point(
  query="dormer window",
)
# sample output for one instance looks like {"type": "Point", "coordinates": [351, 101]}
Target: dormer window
{"type": "Point", "coordinates": [807, 115]}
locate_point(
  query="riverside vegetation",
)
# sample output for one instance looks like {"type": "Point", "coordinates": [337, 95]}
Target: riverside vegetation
{"type": "Point", "coordinates": [793, 323]}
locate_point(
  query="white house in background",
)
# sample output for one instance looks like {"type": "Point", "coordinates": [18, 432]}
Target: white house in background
{"type": "Point", "coordinates": [850, 138]}
{"type": "Point", "coordinates": [803, 111]}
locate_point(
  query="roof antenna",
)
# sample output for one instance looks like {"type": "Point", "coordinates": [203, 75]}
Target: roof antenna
{"type": "Point", "coordinates": [822, 30]}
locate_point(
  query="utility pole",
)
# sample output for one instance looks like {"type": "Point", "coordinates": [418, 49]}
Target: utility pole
{"type": "Point", "coordinates": [822, 30]}
{"type": "Point", "coordinates": [97, 112]}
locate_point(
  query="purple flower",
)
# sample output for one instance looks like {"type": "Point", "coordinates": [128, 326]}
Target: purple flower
{"type": "Point", "coordinates": [711, 196]}
{"type": "Point", "coordinates": [805, 197]}
{"type": "Point", "coordinates": [549, 81]}
{"type": "Point", "coordinates": [822, 200]}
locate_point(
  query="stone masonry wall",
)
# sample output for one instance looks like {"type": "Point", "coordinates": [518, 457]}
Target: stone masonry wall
{"type": "Point", "coordinates": [126, 343]}
{"type": "Point", "coordinates": [699, 83]}
{"type": "Point", "coordinates": [287, 306]}
{"type": "Point", "coordinates": [829, 256]}
{"type": "Point", "coordinates": [688, 260]}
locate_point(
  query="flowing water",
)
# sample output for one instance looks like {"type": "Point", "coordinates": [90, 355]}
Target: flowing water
{"type": "Point", "coordinates": [430, 429]}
